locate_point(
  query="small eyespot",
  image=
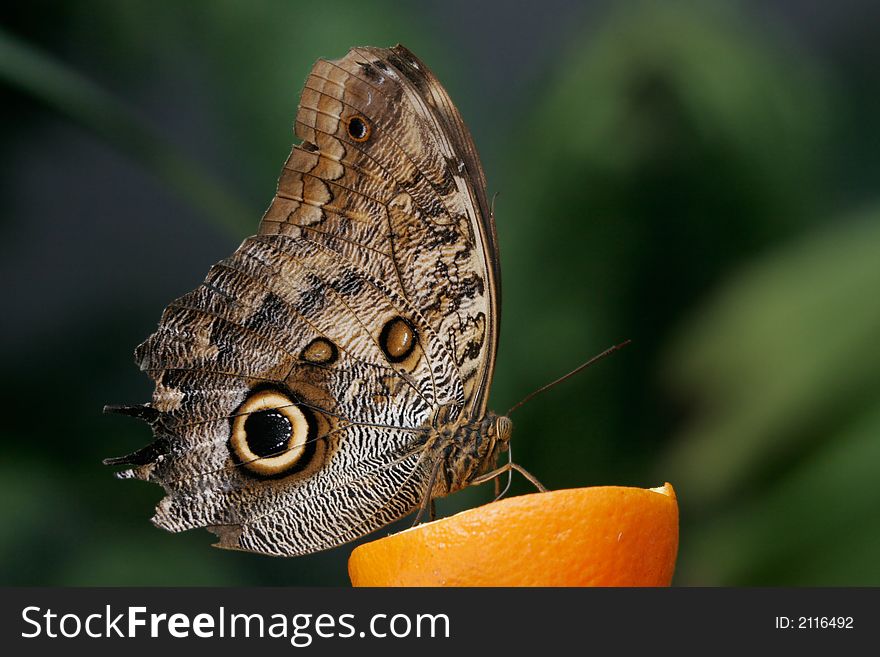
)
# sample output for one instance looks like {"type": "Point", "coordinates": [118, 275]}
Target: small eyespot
{"type": "Point", "coordinates": [271, 434]}
{"type": "Point", "coordinates": [358, 128]}
{"type": "Point", "coordinates": [397, 339]}
{"type": "Point", "coordinates": [320, 351]}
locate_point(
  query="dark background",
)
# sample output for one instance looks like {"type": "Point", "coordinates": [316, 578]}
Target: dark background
{"type": "Point", "coordinates": [701, 177]}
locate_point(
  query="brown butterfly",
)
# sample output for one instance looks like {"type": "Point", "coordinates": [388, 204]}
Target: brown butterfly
{"type": "Point", "coordinates": [332, 375]}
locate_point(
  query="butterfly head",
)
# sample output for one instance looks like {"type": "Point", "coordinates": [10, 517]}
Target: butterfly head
{"type": "Point", "coordinates": [498, 428]}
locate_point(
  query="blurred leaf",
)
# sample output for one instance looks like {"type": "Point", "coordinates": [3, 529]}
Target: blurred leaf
{"type": "Point", "coordinates": [783, 356]}
{"type": "Point", "coordinates": [67, 92]}
{"type": "Point", "coordinates": [669, 84]}
{"type": "Point", "coordinates": [777, 468]}
{"type": "Point", "coordinates": [671, 143]}
{"type": "Point", "coordinates": [250, 61]}
{"type": "Point", "coordinates": [815, 525]}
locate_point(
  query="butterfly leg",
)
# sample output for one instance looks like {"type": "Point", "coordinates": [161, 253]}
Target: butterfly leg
{"type": "Point", "coordinates": [507, 467]}
{"type": "Point", "coordinates": [428, 503]}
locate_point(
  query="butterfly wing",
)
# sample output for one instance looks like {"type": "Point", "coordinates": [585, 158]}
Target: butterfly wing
{"type": "Point", "coordinates": [417, 172]}
{"type": "Point", "coordinates": [366, 301]}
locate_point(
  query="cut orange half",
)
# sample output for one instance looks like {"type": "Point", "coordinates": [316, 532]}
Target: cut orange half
{"type": "Point", "coordinates": [599, 536]}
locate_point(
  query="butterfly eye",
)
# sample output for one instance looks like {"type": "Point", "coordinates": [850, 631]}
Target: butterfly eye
{"type": "Point", "coordinates": [271, 434]}
{"type": "Point", "coordinates": [503, 428]}
{"type": "Point", "coordinates": [398, 339]}
{"type": "Point", "coordinates": [358, 128]}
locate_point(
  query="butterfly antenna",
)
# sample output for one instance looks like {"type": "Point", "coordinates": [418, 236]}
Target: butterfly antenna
{"type": "Point", "coordinates": [580, 368]}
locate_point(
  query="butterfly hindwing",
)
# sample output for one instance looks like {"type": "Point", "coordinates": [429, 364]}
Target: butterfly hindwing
{"type": "Point", "coordinates": [296, 386]}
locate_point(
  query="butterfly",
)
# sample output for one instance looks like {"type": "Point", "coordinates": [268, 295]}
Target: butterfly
{"type": "Point", "coordinates": [331, 376]}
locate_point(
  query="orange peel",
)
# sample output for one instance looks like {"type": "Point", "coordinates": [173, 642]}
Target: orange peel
{"type": "Point", "coordinates": [596, 536]}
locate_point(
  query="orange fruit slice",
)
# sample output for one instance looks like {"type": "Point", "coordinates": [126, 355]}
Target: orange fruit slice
{"type": "Point", "coordinates": [599, 536]}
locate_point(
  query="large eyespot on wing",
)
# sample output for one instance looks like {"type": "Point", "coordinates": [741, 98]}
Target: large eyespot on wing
{"type": "Point", "coordinates": [272, 435]}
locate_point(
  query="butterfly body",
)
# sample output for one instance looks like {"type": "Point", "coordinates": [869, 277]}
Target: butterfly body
{"type": "Point", "coordinates": [466, 450]}
{"type": "Point", "coordinates": [332, 374]}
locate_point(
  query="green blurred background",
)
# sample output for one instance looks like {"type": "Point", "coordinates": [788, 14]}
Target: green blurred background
{"type": "Point", "coordinates": [700, 177]}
